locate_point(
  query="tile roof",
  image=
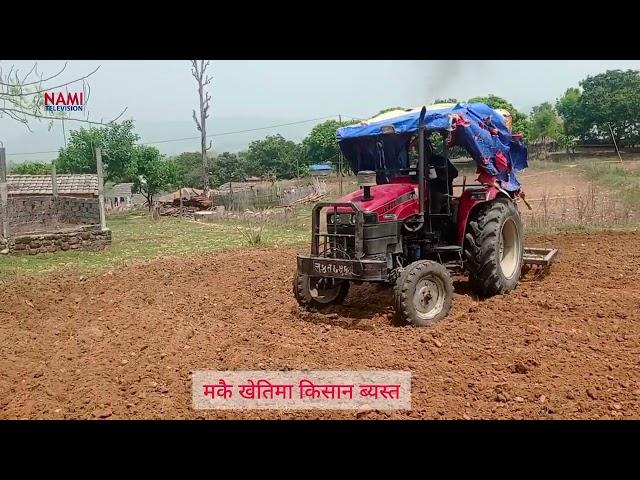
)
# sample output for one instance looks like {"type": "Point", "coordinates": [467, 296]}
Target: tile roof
{"type": "Point", "coordinates": [120, 190]}
{"type": "Point", "coordinates": [84, 184]}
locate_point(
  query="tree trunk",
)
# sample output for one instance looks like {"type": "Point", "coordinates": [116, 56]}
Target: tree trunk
{"type": "Point", "coordinates": [203, 140]}
{"type": "Point", "coordinates": [198, 73]}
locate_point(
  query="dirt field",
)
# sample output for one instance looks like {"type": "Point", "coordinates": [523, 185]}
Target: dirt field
{"type": "Point", "coordinates": [563, 196]}
{"type": "Point", "coordinates": [122, 344]}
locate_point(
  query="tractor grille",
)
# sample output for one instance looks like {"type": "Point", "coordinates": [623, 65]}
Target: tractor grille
{"type": "Point", "coordinates": [339, 241]}
{"type": "Point", "coordinates": [344, 232]}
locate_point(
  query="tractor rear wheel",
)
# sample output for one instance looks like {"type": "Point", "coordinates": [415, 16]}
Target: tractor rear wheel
{"type": "Point", "coordinates": [493, 248]}
{"type": "Point", "coordinates": [319, 292]}
{"type": "Point", "coordinates": [423, 293]}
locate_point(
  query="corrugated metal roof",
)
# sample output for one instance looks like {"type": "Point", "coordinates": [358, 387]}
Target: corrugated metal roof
{"type": "Point", "coordinates": [79, 184]}
{"type": "Point", "coordinates": [320, 166]}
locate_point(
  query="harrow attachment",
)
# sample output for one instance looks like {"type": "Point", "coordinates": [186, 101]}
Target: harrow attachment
{"type": "Point", "coordinates": [539, 257]}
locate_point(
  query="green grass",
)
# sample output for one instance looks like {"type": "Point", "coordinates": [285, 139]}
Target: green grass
{"type": "Point", "coordinates": [136, 238]}
{"type": "Point", "coordinates": [624, 180]}
{"type": "Point", "coordinates": [580, 228]}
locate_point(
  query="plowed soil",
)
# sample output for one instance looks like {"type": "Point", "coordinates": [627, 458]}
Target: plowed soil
{"type": "Point", "coordinates": [122, 344]}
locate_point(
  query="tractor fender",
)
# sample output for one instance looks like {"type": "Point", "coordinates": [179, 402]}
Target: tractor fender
{"type": "Point", "coordinates": [469, 201]}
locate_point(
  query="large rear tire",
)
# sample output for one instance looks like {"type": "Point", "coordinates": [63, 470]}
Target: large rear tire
{"type": "Point", "coordinates": [423, 293]}
{"type": "Point", "coordinates": [319, 292]}
{"type": "Point", "coordinates": [494, 247]}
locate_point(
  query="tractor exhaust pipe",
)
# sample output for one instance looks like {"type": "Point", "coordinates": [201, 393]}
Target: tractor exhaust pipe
{"type": "Point", "coordinates": [421, 129]}
{"type": "Point", "coordinates": [366, 180]}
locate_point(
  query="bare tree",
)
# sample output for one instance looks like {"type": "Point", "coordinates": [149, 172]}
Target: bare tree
{"type": "Point", "coordinates": [22, 95]}
{"type": "Point", "coordinates": [198, 72]}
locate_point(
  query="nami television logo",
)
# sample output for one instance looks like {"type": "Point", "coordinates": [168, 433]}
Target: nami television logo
{"type": "Point", "coordinates": [64, 102]}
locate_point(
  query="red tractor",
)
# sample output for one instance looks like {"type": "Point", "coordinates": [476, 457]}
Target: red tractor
{"type": "Point", "coordinates": [405, 228]}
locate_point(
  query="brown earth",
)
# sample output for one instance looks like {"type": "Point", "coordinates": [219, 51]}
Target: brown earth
{"type": "Point", "coordinates": [122, 344]}
{"type": "Point", "coordinates": [563, 196]}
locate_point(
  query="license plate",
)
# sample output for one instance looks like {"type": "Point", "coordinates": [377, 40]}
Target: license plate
{"type": "Point", "coordinates": [330, 268]}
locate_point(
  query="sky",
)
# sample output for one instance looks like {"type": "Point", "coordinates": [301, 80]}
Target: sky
{"type": "Point", "coordinates": [250, 94]}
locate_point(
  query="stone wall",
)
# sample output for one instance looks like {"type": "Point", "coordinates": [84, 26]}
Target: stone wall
{"type": "Point", "coordinates": [89, 237]}
{"type": "Point", "coordinates": [78, 210]}
{"type": "Point", "coordinates": [31, 211]}
{"type": "Point", "coordinates": [45, 212]}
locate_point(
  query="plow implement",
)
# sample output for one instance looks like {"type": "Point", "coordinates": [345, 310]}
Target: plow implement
{"type": "Point", "coordinates": [539, 257]}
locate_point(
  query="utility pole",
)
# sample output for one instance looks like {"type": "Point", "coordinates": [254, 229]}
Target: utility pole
{"type": "Point", "coordinates": [64, 133]}
{"type": "Point", "coordinates": [615, 144]}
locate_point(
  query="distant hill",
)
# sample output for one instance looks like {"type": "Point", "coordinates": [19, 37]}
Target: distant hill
{"type": "Point", "coordinates": [17, 139]}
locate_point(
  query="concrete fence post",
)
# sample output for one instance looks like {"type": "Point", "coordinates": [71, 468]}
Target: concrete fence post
{"type": "Point", "coordinates": [103, 220]}
{"type": "Point", "coordinates": [4, 195]}
{"type": "Point", "coordinates": [54, 190]}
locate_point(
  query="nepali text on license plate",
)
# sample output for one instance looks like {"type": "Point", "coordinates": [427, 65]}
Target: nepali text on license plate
{"type": "Point", "coordinates": [332, 268]}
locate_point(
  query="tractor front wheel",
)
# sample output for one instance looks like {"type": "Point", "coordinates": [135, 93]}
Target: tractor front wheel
{"type": "Point", "coordinates": [494, 247]}
{"type": "Point", "coordinates": [423, 293]}
{"type": "Point", "coordinates": [319, 292]}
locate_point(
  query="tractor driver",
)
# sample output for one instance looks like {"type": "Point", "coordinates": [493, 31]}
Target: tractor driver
{"type": "Point", "coordinates": [437, 167]}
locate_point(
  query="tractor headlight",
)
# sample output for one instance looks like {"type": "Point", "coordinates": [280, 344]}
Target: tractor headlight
{"type": "Point", "coordinates": [341, 219]}
{"type": "Point", "coordinates": [371, 217]}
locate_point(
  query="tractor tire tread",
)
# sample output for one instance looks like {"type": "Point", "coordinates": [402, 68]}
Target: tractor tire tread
{"type": "Point", "coordinates": [480, 251]}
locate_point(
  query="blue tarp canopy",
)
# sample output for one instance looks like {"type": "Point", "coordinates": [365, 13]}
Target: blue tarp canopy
{"type": "Point", "coordinates": [382, 143]}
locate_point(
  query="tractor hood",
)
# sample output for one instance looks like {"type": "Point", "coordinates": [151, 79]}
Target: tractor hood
{"type": "Point", "coordinates": [383, 195]}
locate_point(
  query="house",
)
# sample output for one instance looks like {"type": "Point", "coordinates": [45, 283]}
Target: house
{"type": "Point", "coordinates": [35, 206]}
{"type": "Point", "coordinates": [320, 169]}
{"type": "Point", "coordinates": [119, 195]}
{"type": "Point", "coordinates": [75, 185]}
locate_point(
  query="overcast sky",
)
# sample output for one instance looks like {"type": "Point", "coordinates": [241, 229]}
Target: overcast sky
{"type": "Point", "coordinates": [160, 95]}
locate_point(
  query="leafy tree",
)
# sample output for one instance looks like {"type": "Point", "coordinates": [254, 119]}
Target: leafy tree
{"type": "Point", "coordinates": [568, 107]}
{"type": "Point", "coordinates": [152, 173]}
{"type": "Point", "coordinates": [274, 156]}
{"type": "Point", "coordinates": [608, 100]}
{"type": "Point", "coordinates": [567, 142]}
{"type": "Point", "coordinates": [117, 142]}
{"type": "Point", "coordinates": [520, 123]}
{"type": "Point", "coordinates": [30, 168]}
{"type": "Point", "coordinates": [545, 123]}
{"type": "Point", "coordinates": [188, 169]}
{"type": "Point", "coordinates": [79, 154]}
{"type": "Point", "coordinates": [320, 145]}
{"type": "Point", "coordinates": [229, 167]}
